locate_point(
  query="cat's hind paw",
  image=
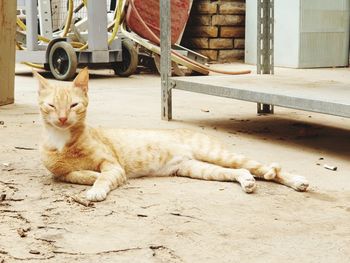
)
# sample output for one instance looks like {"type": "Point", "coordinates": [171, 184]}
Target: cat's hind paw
{"type": "Point", "coordinates": [300, 183]}
{"type": "Point", "coordinates": [275, 168]}
{"type": "Point", "coordinates": [248, 185]}
{"type": "Point", "coordinates": [96, 194]}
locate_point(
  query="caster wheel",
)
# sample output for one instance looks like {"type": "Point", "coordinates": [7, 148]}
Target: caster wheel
{"type": "Point", "coordinates": [63, 61]}
{"type": "Point", "coordinates": [128, 65]}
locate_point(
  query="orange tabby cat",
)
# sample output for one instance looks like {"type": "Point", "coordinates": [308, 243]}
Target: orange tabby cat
{"type": "Point", "coordinates": [77, 153]}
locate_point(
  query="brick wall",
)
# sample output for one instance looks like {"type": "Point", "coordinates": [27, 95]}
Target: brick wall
{"type": "Point", "coordinates": [216, 29]}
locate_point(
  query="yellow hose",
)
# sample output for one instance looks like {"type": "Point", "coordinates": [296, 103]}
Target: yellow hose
{"type": "Point", "coordinates": [81, 46]}
{"type": "Point", "coordinates": [118, 14]}
{"type": "Point", "coordinates": [116, 21]}
{"type": "Point", "coordinates": [69, 18]}
{"type": "Point", "coordinates": [44, 39]}
{"type": "Point", "coordinates": [33, 65]}
{"type": "Point", "coordinates": [24, 28]}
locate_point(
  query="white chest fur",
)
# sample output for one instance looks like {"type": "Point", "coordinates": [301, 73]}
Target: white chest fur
{"type": "Point", "coordinates": [57, 138]}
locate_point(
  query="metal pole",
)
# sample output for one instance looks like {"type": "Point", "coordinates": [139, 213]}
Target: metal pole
{"type": "Point", "coordinates": [32, 24]}
{"type": "Point", "coordinates": [98, 36]}
{"type": "Point", "coordinates": [165, 61]}
{"type": "Point", "coordinates": [45, 18]}
{"type": "Point", "coordinates": [265, 42]}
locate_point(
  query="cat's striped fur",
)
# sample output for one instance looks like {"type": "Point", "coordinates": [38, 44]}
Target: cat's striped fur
{"type": "Point", "coordinates": [103, 158]}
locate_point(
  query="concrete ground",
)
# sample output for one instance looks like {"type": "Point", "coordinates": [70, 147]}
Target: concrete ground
{"type": "Point", "coordinates": [179, 219]}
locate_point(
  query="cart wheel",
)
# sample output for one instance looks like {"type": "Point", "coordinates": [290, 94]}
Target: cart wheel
{"type": "Point", "coordinates": [128, 65]}
{"type": "Point", "coordinates": [63, 61]}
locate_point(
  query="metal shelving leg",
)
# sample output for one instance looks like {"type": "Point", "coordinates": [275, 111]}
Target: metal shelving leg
{"type": "Point", "coordinates": [32, 24]}
{"type": "Point", "coordinates": [165, 61]}
{"type": "Point", "coordinates": [265, 108]}
{"type": "Point", "coordinates": [265, 40]}
{"type": "Point", "coordinates": [98, 36]}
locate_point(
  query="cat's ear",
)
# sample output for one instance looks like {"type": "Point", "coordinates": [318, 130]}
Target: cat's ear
{"type": "Point", "coordinates": [81, 81]}
{"type": "Point", "coordinates": [43, 83]}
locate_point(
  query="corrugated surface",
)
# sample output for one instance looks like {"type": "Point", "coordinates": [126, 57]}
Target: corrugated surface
{"type": "Point", "coordinates": [324, 33]}
{"type": "Point", "coordinates": [308, 33]}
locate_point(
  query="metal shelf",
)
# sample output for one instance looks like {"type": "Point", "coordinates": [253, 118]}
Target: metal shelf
{"type": "Point", "coordinates": [328, 97]}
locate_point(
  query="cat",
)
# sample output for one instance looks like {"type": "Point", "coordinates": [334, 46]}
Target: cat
{"type": "Point", "coordinates": [105, 158]}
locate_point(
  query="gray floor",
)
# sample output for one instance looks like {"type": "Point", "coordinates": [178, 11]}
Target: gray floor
{"type": "Point", "coordinates": [179, 219]}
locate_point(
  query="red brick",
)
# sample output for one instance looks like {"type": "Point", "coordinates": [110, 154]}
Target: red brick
{"type": "Point", "coordinates": [211, 54]}
{"type": "Point", "coordinates": [228, 20]}
{"type": "Point", "coordinates": [232, 8]}
{"type": "Point", "coordinates": [239, 43]}
{"type": "Point", "coordinates": [231, 55]}
{"type": "Point", "coordinates": [200, 20]}
{"type": "Point", "coordinates": [205, 8]}
{"type": "Point", "coordinates": [220, 43]}
{"type": "Point", "coordinates": [198, 42]}
{"type": "Point", "coordinates": [227, 31]}
{"type": "Point", "coordinates": [204, 31]}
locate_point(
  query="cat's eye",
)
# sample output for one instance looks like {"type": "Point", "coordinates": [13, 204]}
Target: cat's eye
{"type": "Point", "coordinates": [73, 105]}
{"type": "Point", "coordinates": [52, 106]}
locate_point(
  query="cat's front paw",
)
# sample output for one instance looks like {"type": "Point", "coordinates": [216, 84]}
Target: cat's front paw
{"type": "Point", "coordinates": [275, 168]}
{"type": "Point", "coordinates": [96, 194]}
{"type": "Point", "coordinates": [300, 183]}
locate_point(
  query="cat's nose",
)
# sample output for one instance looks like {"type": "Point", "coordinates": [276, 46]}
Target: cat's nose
{"type": "Point", "coordinates": [62, 120]}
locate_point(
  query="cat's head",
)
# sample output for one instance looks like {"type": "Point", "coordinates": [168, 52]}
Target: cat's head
{"type": "Point", "coordinates": [64, 105]}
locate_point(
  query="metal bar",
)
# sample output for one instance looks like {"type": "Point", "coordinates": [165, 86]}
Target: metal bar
{"type": "Point", "coordinates": [165, 62]}
{"type": "Point", "coordinates": [32, 24]}
{"type": "Point", "coordinates": [265, 37]}
{"type": "Point", "coordinates": [97, 25]}
{"type": "Point", "coordinates": [288, 98]}
{"type": "Point", "coordinates": [45, 18]}
{"type": "Point", "coordinates": [37, 56]}
{"type": "Point", "coordinates": [265, 42]}
{"type": "Point", "coordinates": [265, 108]}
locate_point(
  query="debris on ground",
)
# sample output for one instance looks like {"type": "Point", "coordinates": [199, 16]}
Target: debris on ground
{"type": "Point", "coordinates": [205, 110]}
{"type": "Point", "coordinates": [142, 215]}
{"type": "Point", "coordinates": [2, 122]}
{"type": "Point", "coordinates": [34, 252]}
{"type": "Point", "coordinates": [82, 201]}
{"type": "Point", "coordinates": [330, 167]}
{"type": "Point", "coordinates": [24, 148]}
{"type": "Point", "coordinates": [2, 197]}
{"type": "Point", "coordinates": [21, 232]}
{"type": "Point", "coordinates": [7, 167]}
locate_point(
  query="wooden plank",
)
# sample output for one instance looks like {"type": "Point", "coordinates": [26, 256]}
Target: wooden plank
{"type": "Point", "coordinates": [7, 50]}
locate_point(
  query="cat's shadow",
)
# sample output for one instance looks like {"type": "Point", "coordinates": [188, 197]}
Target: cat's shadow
{"type": "Point", "coordinates": [282, 130]}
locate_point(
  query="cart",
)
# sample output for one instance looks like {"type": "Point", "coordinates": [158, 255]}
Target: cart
{"type": "Point", "coordinates": [61, 53]}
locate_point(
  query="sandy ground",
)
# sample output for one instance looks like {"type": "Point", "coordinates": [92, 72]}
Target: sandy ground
{"type": "Point", "coordinates": [178, 219]}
